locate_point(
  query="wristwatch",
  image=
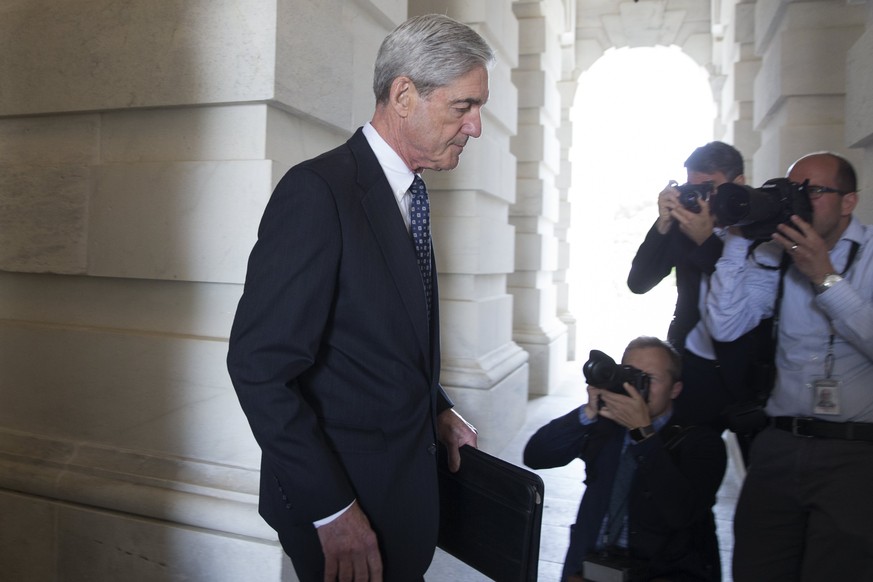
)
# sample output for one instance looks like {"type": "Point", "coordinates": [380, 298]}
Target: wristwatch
{"type": "Point", "coordinates": [641, 433]}
{"type": "Point", "coordinates": [829, 281]}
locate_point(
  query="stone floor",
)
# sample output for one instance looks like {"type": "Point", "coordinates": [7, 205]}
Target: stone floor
{"type": "Point", "coordinates": [564, 487]}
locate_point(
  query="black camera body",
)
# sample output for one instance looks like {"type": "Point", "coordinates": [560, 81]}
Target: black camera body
{"type": "Point", "coordinates": [601, 371]}
{"type": "Point", "coordinates": [609, 567]}
{"type": "Point", "coordinates": [758, 211]}
{"type": "Point", "coordinates": [691, 194]}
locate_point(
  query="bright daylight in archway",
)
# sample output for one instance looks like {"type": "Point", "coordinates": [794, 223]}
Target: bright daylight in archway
{"type": "Point", "coordinates": [638, 115]}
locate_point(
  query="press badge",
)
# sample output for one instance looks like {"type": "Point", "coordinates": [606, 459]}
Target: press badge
{"type": "Point", "coordinates": [826, 397]}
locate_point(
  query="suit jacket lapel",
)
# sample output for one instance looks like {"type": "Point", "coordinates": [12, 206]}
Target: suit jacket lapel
{"type": "Point", "coordinates": [381, 209]}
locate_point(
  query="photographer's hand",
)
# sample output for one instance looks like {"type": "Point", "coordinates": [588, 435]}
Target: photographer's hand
{"type": "Point", "coordinates": [808, 250]}
{"type": "Point", "coordinates": [592, 407]}
{"type": "Point", "coordinates": [668, 199]}
{"type": "Point", "coordinates": [696, 226]}
{"type": "Point", "coordinates": [630, 411]}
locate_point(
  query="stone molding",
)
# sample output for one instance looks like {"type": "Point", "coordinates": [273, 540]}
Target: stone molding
{"type": "Point", "coordinates": [184, 491]}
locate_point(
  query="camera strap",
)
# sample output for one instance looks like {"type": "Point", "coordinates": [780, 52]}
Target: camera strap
{"type": "Point", "coordinates": [829, 358]}
{"type": "Point", "coordinates": [673, 435]}
{"type": "Point", "coordinates": [784, 263]}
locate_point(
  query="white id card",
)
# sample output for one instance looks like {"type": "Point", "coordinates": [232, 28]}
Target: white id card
{"type": "Point", "coordinates": [826, 396]}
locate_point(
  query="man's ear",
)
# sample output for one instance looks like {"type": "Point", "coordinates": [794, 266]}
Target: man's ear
{"type": "Point", "coordinates": [401, 96]}
{"type": "Point", "coordinates": [677, 388]}
{"type": "Point", "coordinates": [848, 203]}
{"type": "Point", "coordinates": [741, 180]}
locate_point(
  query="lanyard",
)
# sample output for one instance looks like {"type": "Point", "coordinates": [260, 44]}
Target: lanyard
{"type": "Point", "coordinates": [829, 358]}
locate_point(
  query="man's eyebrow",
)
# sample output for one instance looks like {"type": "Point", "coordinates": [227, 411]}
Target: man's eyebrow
{"type": "Point", "coordinates": [468, 101]}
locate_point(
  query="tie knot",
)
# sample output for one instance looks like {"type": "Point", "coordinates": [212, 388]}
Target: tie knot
{"type": "Point", "coordinates": [418, 188]}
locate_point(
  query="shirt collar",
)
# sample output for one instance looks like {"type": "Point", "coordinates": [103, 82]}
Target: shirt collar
{"type": "Point", "coordinates": [399, 176]}
{"type": "Point", "coordinates": [854, 232]}
{"type": "Point", "coordinates": [662, 421]}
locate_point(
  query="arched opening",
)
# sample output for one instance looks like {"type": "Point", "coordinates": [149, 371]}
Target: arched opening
{"type": "Point", "coordinates": [638, 114]}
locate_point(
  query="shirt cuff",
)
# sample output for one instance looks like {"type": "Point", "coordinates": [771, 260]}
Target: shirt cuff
{"type": "Point", "coordinates": [583, 418]}
{"type": "Point", "coordinates": [330, 518]}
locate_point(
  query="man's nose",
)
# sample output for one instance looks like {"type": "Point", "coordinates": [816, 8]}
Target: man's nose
{"type": "Point", "coordinates": [473, 125]}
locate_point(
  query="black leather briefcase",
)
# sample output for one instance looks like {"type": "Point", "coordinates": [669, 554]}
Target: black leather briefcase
{"type": "Point", "coordinates": [491, 513]}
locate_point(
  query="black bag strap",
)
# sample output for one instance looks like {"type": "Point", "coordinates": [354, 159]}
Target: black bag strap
{"type": "Point", "coordinates": [783, 267]}
{"type": "Point", "coordinates": [674, 434]}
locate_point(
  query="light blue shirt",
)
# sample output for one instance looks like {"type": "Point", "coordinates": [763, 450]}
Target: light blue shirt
{"type": "Point", "coordinates": [742, 293]}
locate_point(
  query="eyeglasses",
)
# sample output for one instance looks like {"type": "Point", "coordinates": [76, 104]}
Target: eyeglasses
{"type": "Point", "coordinates": [815, 192]}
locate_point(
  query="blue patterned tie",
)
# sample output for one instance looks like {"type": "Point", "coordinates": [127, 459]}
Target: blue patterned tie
{"type": "Point", "coordinates": [419, 223]}
{"type": "Point", "coordinates": [624, 476]}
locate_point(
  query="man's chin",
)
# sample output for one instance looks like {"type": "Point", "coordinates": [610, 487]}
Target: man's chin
{"type": "Point", "coordinates": [446, 165]}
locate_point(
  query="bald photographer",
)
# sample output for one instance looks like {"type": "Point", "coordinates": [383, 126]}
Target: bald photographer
{"type": "Point", "coordinates": [805, 508]}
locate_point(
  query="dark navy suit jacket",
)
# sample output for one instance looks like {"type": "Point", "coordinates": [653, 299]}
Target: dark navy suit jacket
{"type": "Point", "coordinates": [670, 520]}
{"type": "Point", "coordinates": [335, 364]}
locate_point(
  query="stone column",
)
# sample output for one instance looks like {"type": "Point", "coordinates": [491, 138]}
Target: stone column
{"type": "Point", "coordinates": [485, 372]}
{"type": "Point", "coordinates": [140, 142]}
{"type": "Point", "coordinates": [735, 58]}
{"type": "Point", "coordinates": [567, 87]}
{"type": "Point", "coordinates": [859, 111]}
{"type": "Point", "coordinates": [562, 230]}
{"type": "Point", "coordinates": [800, 90]}
{"type": "Point", "coordinates": [536, 213]}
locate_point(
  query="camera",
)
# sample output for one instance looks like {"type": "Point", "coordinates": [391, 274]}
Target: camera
{"type": "Point", "coordinates": [606, 566]}
{"type": "Point", "coordinates": [601, 371]}
{"type": "Point", "coordinates": [758, 211]}
{"type": "Point", "coordinates": [691, 194]}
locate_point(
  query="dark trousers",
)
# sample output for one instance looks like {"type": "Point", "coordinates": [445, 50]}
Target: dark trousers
{"type": "Point", "coordinates": [705, 398]}
{"type": "Point", "coordinates": [704, 394]}
{"type": "Point", "coordinates": [805, 511]}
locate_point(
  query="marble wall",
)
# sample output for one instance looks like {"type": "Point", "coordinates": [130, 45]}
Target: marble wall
{"type": "Point", "coordinates": [800, 90]}
{"type": "Point", "coordinates": [139, 143]}
{"type": "Point", "coordinates": [536, 213]}
{"type": "Point", "coordinates": [859, 109]}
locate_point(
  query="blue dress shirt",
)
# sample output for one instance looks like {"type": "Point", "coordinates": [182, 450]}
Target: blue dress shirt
{"type": "Point", "coordinates": [742, 292]}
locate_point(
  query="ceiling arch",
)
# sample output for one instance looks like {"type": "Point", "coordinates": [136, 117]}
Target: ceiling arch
{"type": "Point", "coordinates": [604, 24]}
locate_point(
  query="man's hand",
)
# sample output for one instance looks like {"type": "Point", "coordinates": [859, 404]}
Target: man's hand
{"type": "Point", "coordinates": [455, 432]}
{"type": "Point", "coordinates": [630, 411]}
{"type": "Point", "coordinates": [592, 408]}
{"type": "Point", "coordinates": [696, 226]}
{"type": "Point", "coordinates": [808, 250]}
{"type": "Point", "coordinates": [668, 199]}
{"type": "Point", "coordinates": [351, 550]}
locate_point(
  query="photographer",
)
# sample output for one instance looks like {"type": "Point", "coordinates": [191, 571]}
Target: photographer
{"type": "Point", "coordinates": [650, 485]}
{"type": "Point", "coordinates": [805, 509]}
{"type": "Point", "coordinates": [685, 237]}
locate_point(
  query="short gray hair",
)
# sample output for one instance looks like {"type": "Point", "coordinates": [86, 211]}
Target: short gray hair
{"type": "Point", "coordinates": [432, 50]}
{"type": "Point", "coordinates": [674, 367]}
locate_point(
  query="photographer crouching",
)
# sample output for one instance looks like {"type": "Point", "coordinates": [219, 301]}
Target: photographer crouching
{"type": "Point", "coordinates": [646, 514]}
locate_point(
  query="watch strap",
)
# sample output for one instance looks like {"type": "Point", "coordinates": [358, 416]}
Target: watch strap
{"type": "Point", "coordinates": [641, 433]}
{"type": "Point", "coordinates": [829, 281]}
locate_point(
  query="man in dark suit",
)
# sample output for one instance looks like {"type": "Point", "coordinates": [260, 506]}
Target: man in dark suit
{"type": "Point", "coordinates": [685, 237]}
{"type": "Point", "coordinates": [662, 519]}
{"type": "Point", "coordinates": [334, 351]}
